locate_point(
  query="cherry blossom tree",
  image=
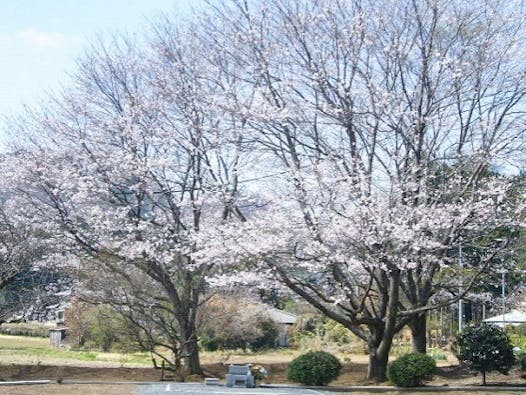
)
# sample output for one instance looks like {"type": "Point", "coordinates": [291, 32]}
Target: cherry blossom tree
{"type": "Point", "coordinates": [369, 127]}
{"type": "Point", "coordinates": [124, 168]}
{"type": "Point", "coordinates": [26, 286]}
{"type": "Point", "coordinates": [382, 120]}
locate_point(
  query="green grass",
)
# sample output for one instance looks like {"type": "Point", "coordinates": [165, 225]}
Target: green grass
{"type": "Point", "coordinates": [21, 342]}
{"type": "Point", "coordinates": [33, 349]}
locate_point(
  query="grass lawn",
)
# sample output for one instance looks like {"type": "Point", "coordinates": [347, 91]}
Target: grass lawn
{"type": "Point", "coordinates": [37, 350]}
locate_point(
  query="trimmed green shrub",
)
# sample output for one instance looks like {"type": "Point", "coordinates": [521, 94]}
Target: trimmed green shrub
{"type": "Point", "coordinates": [314, 368]}
{"type": "Point", "coordinates": [485, 348]}
{"type": "Point", "coordinates": [411, 370]}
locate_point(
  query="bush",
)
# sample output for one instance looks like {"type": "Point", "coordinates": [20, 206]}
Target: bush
{"type": "Point", "coordinates": [518, 341]}
{"type": "Point", "coordinates": [266, 336]}
{"type": "Point", "coordinates": [316, 332]}
{"type": "Point", "coordinates": [411, 370]}
{"type": "Point", "coordinates": [230, 325]}
{"type": "Point", "coordinates": [522, 362]}
{"type": "Point", "coordinates": [209, 342]}
{"type": "Point", "coordinates": [314, 368]}
{"type": "Point", "coordinates": [25, 330]}
{"type": "Point", "coordinates": [520, 330]}
{"type": "Point", "coordinates": [485, 348]}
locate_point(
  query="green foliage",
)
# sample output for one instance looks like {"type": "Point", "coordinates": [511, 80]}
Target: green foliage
{"type": "Point", "coordinates": [485, 348]}
{"type": "Point", "coordinates": [337, 333]}
{"type": "Point", "coordinates": [209, 342]}
{"type": "Point", "coordinates": [310, 323]}
{"type": "Point", "coordinates": [522, 362]}
{"type": "Point", "coordinates": [261, 335]}
{"type": "Point", "coordinates": [411, 370]}
{"type": "Point", "coordinates": [400, 349]}
{"type": "Point", "coordinates": [438, 356]}
{"type": "Point", "coordinates": [314, 368]}
{"type": "Point", "coordinates": [316, 332]}
{"type": "Point", "coordinates": [103, 327]}
{"type": "Point", "coordinates": [518, 341]}
{"type": "Point", "coordinates": [24, 330]}
{"type": "Point", "coordinates": [99, 327]}
{"type": "Point", "coordinates": [227, 324]}
{"type": "Point", "coordinates": [267, 334]}
{"type": "Point", "coordinates": [520, 330]}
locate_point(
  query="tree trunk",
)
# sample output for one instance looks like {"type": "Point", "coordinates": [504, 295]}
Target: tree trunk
{"type": "Point", "coordinates": [191, 356]}
{"type": "Point", "coordinates": [377, 369]}
{"type": "Point", "coordinates": [419, 333]}
{"type": "Point", "coordinates": [189, 347]}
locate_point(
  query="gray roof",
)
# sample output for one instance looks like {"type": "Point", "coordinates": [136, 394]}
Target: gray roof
{"type": "Point", "coordinates": [280, 316]}
{"type": "Point", "coordinates": [513, 317]}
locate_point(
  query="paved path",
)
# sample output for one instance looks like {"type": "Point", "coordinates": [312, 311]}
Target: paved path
{"type": "Point", "coordinates": [200, 389]}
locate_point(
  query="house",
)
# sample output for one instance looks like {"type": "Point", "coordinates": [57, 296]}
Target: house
{"type": "Point", "coordinates": [284, 320]}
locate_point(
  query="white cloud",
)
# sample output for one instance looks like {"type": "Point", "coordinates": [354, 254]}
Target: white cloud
{"type": "Point", "coordinates": [40, 38]}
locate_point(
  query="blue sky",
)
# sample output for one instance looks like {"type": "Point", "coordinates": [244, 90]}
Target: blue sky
{"type": "Point", "coordinates": [40, 39]}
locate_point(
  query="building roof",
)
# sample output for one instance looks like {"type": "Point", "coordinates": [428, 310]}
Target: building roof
{"type": "Point", "coordinates": [514, 317]}
{"type": "Point", "coordinates": [280, 316]}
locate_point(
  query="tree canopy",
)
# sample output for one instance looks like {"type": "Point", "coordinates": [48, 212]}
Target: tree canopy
{"type": "Point", "coordinates": [340, 147]}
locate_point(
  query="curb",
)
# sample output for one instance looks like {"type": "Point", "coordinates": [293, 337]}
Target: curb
{"type": "Point", "coordinates": [349, 389]}
{"type": "Point", "coordinates": [33, 382]}
{"type": "Point", "coordinates": [115, 382]}
{"type": "Point", "coordinates": [387, 388]}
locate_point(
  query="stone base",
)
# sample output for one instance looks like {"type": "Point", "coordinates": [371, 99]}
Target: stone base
{"type": "Point", "coordinates": [211, 381]}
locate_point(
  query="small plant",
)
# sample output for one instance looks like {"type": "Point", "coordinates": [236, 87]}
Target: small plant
{"type": "Point", "coordinates": [259, 372]}
{"type": "Point", "coordinates": [314, 368]}
{"type": "Point", "coordinates": [411, 370]}
{"type": "Point", "coordinates": [438, 356]}
{"type": "Point", "coordinates": [485, 348]}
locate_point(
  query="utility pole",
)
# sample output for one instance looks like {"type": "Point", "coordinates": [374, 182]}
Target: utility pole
{"type": "Point", "coordinates": [503, 288]}
{"type": "Point", "coordinates": [460, 264]}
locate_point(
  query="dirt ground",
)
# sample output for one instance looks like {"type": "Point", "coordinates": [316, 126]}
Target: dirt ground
{"type": "Point", "coordinates": [70, 389]}
{"type": "Point", "coordinates": [352, 374]}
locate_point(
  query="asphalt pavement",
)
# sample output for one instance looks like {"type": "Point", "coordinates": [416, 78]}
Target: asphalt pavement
{"type": "Point", "coordinates": [201, 389]}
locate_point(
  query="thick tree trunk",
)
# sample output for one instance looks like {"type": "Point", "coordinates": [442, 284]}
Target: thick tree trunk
{"type": "Point", "coordinates": [382, 333]}
{"type": "Point", "coordinates": [191, 356]}
{"type": "Point", "coordinates": [189, 346]}
{"type": "Point", "coordinates": [379, 346]}
{"type": "Point", "coordinates": [377, 369]}
{"type": "Point", "coordinates": [419, 333]}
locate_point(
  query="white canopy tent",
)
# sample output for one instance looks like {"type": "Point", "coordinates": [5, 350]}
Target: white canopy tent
{"type": "Point", "coordinates": [514, 318]}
